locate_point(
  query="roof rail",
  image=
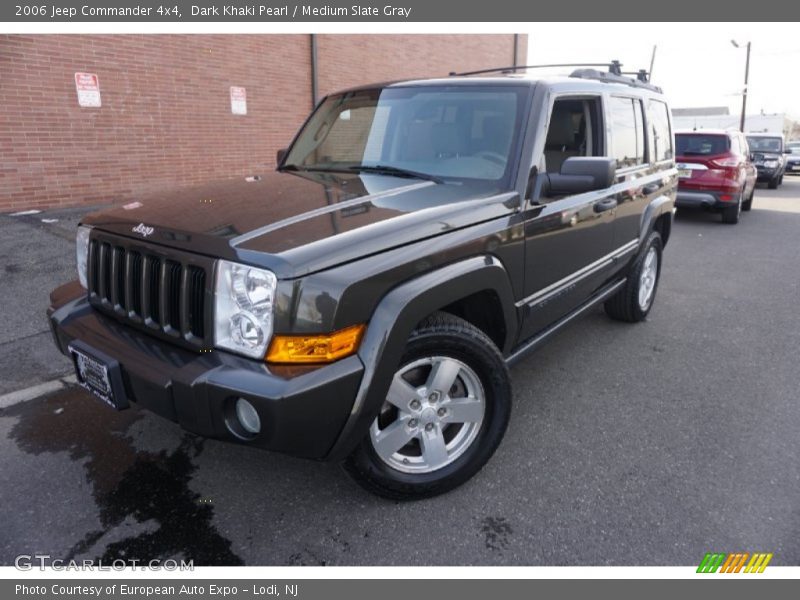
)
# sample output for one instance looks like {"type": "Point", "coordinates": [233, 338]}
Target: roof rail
{"type": "Point", "coordinates": [614, 73]}
{"type": "Point", "coordinates": [524, 67]}
{"type": "Point", "coordinates": [611, 77]}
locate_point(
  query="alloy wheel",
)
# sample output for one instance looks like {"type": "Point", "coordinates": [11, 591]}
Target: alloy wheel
{"type": "Point", "coordinates": [648, 278]}
{"type": "Point", "coordinates": [432, 415]}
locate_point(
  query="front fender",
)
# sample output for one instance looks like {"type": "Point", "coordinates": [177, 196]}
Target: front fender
{"type": "Point", "coordinates": [396, 316]}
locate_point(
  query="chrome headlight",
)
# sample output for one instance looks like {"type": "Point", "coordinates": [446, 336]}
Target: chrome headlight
{"type": "Point", "coordinates": [243, 300]}
{"type": "Point", "coordinates": [770, 164]}
{"type": "Point", "coordinates": [82, 253]}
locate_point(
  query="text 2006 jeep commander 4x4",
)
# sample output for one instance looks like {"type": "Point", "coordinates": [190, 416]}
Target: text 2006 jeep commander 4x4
{"type": "Point", "coordinates": [362, 302]}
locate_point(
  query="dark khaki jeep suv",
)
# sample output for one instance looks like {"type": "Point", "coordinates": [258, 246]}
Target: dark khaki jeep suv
{"type": "Point", "coordinates": [362, 303]}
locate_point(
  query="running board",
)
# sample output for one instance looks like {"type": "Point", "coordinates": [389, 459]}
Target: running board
{"type": "Point", "coordinates": [537, 340]}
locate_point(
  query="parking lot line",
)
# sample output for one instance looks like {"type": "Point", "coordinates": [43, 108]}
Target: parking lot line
{"type": "Point", "coordinates": [35, 391]}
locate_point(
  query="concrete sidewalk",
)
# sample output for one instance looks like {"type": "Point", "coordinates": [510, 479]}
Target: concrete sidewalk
{"type": "Point", "coordinates": [37, 257]}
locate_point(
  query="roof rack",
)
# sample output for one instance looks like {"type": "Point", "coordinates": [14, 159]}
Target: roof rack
{"type": "Point", "coordinates": [523, 67]}
{"type": "Point", "coordinates": [614, 73]}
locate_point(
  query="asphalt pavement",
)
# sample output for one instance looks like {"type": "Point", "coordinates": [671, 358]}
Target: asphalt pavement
{"type": "Point", "coordinates": [647, 444]}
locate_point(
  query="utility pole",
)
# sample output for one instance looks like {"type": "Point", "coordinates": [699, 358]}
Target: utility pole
{"type": "Point", "coordinates": [744, 92]}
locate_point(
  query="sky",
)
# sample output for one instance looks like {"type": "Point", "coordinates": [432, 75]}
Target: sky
{"type": "Point", "coordinates": [695, 63]}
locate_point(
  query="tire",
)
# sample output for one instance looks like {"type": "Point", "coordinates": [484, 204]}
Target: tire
{"type": "Point", "coordinates": [731, 214]}
{"type": "Point", "coordinates": [773, 184]}
{"type": "Point", "coordinates": [780, 180]}
{"type": "Point", "coordinates": [748, 204]}
{"type": "Point", "coordinates": [626, 305]}
{"type": "Point", "coordinates": [440, 452]}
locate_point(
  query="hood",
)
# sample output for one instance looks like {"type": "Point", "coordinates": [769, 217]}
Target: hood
{"type": "Point", "coordinates": [295, 223]}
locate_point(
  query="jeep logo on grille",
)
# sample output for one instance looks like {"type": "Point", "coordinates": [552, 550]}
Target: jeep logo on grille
{"type": "Point", "coordinates": [143, 229]}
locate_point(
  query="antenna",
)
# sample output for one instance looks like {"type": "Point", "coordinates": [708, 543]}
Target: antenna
{"type": "Point", "coordinates": [652, 60]}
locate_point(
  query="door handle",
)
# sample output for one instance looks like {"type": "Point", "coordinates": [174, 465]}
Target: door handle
{"type": "Point", "coordinates": [604, 205]}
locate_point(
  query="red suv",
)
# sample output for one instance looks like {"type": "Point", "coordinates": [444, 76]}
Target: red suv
{"type": "Point", "coordinates": [715, 172]}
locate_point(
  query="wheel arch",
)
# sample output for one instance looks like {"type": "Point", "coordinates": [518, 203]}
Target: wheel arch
{"type": "Point", "coordinates": [657, 217]}
{"type": "Point", "coordinates": [458, 286]}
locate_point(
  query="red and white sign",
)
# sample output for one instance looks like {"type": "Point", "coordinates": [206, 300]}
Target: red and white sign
{"type": "Point", "coordinates": [238, 100]}
{"type": "Point", "coordinates": [88, 87]}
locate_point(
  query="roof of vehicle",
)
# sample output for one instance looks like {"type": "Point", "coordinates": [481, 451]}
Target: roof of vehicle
{"type": "Point", "coordinates": [705, 131]}
{"type": "Point", "coordinates": [764, 134]}
{"type": "Point", "coordinates": [585, 79]}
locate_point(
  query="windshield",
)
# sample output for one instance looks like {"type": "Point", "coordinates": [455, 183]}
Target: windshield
{"type": "Point", "coordinates": [696, 144]}
{"type": "Point", "coordinates": [765, 144]}
{"type": "Point", "coordinates": [462, 132]}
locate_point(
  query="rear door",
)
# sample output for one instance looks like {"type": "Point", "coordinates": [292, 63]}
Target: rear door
{"type": "Point", "coordinates": [643, 148]}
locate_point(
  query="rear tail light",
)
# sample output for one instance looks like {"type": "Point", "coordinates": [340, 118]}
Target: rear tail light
{"type": "Point", "coordinates": [725, 197]}
{"type": "Point", "coordinates": [726, 161]}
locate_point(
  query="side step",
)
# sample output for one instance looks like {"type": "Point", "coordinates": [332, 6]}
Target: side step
{"type": "Point", "coordinates": [533, 343]}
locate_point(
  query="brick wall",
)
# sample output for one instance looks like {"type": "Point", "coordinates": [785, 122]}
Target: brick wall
{"type": "Point", "coordinates": [349, 60]}
{"type": "Point", "coordinates": [165, 118]}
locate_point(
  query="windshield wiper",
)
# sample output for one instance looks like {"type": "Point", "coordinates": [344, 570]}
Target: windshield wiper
{"type": "Point", "coordinates": [396, 171]}
{"type": "Point", "coordinates": [313, 169]}
{"type": "Point", "coordinates": [384, 169]}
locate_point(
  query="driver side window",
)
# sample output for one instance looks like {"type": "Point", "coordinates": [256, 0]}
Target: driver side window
{"type": "Point", "coordinates": [574, 130]}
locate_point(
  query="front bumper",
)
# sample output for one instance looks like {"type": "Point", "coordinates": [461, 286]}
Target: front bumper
{"type": "Point", "coordinates": [302, 409]}
{"type": "Point", "coordinates": [704, 199]}
{"type": "Point", "coordinates": [767, 173]}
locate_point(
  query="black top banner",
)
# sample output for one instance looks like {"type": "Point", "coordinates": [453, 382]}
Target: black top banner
{"type": "Point", "coordinates": [396, 11]}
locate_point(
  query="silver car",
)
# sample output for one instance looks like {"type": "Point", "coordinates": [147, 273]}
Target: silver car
{"type": "Point", "coordinates": [793, 158]}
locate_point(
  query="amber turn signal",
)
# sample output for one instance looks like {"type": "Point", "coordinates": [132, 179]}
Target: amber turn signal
{"type": "Point", "coordinates": [315, 348]}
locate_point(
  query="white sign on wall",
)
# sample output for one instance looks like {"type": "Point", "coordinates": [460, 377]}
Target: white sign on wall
{"type": "Point", "coordinates": [238, 100]}
{"type": "Point", "coordinates": [88, 87]}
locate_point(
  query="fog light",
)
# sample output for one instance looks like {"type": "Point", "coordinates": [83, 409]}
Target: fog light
{"type": "Point", "coordinates": [248, 417]}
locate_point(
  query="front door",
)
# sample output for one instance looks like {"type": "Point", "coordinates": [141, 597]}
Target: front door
{"type": "Point", "coordinates": [568, 239]}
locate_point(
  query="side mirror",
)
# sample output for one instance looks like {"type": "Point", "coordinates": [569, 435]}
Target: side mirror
{"type": "Point", "coordinates": [281, 155]}
{"type": "Point", "coordinates": [581, 174]}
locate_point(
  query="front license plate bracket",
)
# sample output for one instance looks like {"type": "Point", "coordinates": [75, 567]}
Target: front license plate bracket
{"type": "Point", "coordinates": [98, 373]}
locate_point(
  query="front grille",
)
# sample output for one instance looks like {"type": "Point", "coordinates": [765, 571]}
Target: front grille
{"type": "Point", "coordinates": [151, 288]}
{"type": "Point", "coordinates": [172, 295]}
{"type": "Point", "coordinates": [197, 285]}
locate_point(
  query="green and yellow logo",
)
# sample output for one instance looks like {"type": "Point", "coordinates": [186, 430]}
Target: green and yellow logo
{"type": "Point", "coordinates": [735, 562]}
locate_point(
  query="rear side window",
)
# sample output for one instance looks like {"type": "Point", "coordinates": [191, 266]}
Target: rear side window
{"type": "Point", "coordinates": [627, 131]}
{"type": "Point", "coordinates": [745, 146]}
{"type": "Point", "coordinates": [736, 147]}
{"type": "Point", "coordinates": [660, 132]}
{"type": "Point", "coordinates": [697, 144]}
